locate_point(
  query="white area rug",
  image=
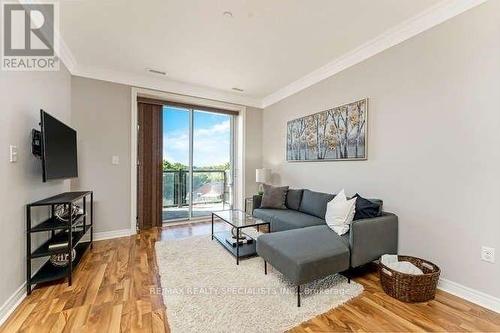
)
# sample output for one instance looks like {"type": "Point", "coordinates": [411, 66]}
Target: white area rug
{"type": "Point", "coordinates": [205, 291]}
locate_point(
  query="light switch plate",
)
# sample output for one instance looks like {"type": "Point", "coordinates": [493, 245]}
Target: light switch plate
{"type": "Point", "coordinates": [12, 154]}
{"type": "Point", "coordinates": [115, 160]}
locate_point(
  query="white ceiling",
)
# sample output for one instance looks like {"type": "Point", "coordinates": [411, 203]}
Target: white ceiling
{"type": "Point", "coordinates": [264, 47]}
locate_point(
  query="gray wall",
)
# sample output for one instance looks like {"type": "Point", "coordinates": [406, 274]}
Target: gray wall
{"type": "Point", "coordinates": [253, 148]}
{"type": "Point", "coordinates": [101, 114]}
{"type": "Point", "coordinates": [22, 95]}
{"type": "Point", "coordinates": [434, 130]}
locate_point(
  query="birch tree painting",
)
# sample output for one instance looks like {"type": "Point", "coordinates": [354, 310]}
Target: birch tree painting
{"type": "Point", "coordinates": [335, 134]}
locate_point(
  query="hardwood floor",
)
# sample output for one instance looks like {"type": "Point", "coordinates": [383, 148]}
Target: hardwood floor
{"type": "Point", "coordinates": [111, 293]}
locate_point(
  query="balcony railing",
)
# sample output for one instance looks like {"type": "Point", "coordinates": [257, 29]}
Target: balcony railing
{"type": "Point", "coordinates": [209, 187]}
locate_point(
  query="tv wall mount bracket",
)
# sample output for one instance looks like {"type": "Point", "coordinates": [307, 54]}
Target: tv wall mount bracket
{"type": "Point", "coordinates": [36, 143]}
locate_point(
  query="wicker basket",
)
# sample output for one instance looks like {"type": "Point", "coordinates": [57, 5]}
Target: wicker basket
{"type": "Point", "coordinates": [408, 287]}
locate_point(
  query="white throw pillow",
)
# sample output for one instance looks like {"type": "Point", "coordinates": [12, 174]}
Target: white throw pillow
{"type": "Point", "coordinates": [340, 213]}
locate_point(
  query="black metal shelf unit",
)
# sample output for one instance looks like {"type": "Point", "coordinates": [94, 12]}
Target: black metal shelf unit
{"type": "Point", "coordinates": [71, 231]}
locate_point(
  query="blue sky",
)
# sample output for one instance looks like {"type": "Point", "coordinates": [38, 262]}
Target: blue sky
{"type": "Point", "coordinates": [211, 137]}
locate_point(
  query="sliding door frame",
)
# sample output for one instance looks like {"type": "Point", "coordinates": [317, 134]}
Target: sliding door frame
{"type": "Point", "coordinates": [192, 110]}
{"type": "Point", "coordinates": [232, 160]}
{"type": "Point", "coordinates": [238, 142]}
{"type": "Point", "coordinates": [190, 167]}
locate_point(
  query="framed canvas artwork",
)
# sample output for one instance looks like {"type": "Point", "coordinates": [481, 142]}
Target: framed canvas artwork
{"type": "Point", "coordinates": [337, 134]}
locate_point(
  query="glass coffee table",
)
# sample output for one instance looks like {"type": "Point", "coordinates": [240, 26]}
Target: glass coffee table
{"type": "Point", "coordinates": [238, 244]}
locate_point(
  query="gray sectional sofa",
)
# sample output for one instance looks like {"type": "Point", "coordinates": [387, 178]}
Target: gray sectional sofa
{"type": "Point", "coordinates": [303, 247]}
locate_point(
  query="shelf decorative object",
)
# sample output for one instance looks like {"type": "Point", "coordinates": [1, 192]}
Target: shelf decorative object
{"type": "Point", "coordinates": [61, 259]}
{"type": "Point", "coordinates": [62, 212]}
{"type": "Point", "coordinates": [66, 244]}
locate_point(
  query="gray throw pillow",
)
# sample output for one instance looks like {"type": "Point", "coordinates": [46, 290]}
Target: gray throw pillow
{"type": "Point", "coordinates": [274, 197]}
{"type": "Point", "coordinates": [314, 203]}
{"type": "Point", "coordinates": [293, 199]}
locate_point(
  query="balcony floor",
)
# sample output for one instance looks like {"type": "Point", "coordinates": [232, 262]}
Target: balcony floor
{"type": "Point", "coordinates": [199, 210]}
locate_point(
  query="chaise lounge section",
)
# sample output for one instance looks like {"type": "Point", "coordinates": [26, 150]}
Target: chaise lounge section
{"type": "Point", "coordinates": [303, 248]}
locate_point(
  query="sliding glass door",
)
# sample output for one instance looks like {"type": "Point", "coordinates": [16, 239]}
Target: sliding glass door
{"type": "Point", "coordinates": [212, 161]}
{"type": "Point", "coordinates": [176, 133]}
{"type": "Point", "coordinates": [197, 163]}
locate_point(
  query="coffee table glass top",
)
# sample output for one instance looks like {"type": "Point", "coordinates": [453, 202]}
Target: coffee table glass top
{"type": "Point", "coordinates": [238, 218]}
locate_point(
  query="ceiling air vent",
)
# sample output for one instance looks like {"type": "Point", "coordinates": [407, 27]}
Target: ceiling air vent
{"type": "Point", "coordinates": [155, 71]}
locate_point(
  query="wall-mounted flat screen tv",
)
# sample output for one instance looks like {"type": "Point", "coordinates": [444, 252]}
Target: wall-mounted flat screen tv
{"type": "Point", "coordinates": [59, 151]}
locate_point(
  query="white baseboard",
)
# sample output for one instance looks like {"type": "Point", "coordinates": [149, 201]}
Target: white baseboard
{"type": "Point", "coordinates": [469, 294]}
{"type": "Point", "coordinates": [113, 234]}
{"type": "Point", "coordinates": [12, 303]}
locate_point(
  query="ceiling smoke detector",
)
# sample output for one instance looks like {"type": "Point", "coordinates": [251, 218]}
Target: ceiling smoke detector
{"type": "Point", "coordinates": [228, 14]}
{"type": "Point", "coordinates": [238, 89]}
{"type": "Point", "coordinates": [155, 71]}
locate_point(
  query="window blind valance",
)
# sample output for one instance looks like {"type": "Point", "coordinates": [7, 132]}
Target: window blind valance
{"type": "Point", "coordinates": [154, 101]}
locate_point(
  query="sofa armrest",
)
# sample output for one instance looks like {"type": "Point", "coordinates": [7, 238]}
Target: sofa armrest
{"type": "Point", "coordinates": [257, 200]}
{"type": "Point", "coordinates": [371, 238]}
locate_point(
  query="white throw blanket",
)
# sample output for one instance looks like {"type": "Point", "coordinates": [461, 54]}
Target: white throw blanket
{"type": "Point", "coordinates": [391, 261]}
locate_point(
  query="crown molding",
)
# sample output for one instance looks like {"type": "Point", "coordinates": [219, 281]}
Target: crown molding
{"type": "Point", "coordinates": [148, 81]}
{"type": "Point", "coordinates": [419, 23]}
{"type": "Point", "coordinates": [423, 21]}
{"type": "Point", "coordinates": [164, 84]}
{"type": "Point", "coordinates": [65, 54]}
{"type": "Point", "coordinates": [61, 48]}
